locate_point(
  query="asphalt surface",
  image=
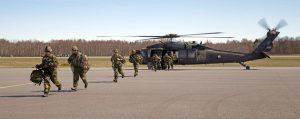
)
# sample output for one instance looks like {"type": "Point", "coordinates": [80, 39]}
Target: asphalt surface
{"type": "Point", "coordinates": [185, 93]}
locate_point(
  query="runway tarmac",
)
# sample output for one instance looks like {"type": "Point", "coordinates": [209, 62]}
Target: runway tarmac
{"type": "Point", "coordinates": [185, 93]}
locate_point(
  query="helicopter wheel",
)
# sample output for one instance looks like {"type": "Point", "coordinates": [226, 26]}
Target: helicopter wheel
{"type": "Point", "coordinates": [247, 67]}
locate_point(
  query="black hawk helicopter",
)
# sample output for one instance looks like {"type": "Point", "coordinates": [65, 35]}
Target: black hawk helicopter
{"type": "Point", "coordinates": [193, 53]}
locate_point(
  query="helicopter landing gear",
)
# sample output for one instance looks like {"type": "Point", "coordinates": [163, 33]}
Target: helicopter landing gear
{"type": "Point", "coordinates": [244, 65]}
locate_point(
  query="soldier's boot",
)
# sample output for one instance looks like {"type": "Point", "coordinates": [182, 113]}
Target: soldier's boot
{"type": "Point", "coordinates": [59, 87]}
{"type": "Point", "coordinates": [74, 89]}
{"type": "Point", "coordinates": [135, 74]}
{"type": "Point", "coordinates": [45, 95]}
{"type": "Point", "coordinates": [115, 79]}
{"type": "Point", "coordinates": [85, 84]}
{"type": "Point", "coordinates": [122, 75]}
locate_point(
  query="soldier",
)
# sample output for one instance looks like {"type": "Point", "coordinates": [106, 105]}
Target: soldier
{"type": "Point", "coordinates": [155, 61]}
{"type": "Point", "coordinates": [117, 61]}
{"type": "Point", "coordinates": [167, 61]}
{"type": "Point", "coordinates": [77, 62]}
{"type": "Point", "coordinates": [135, 59]}
{"type": "Point", "coordinates": [174, 57]}
{"type": "Point", "coordinates": [49, 66]}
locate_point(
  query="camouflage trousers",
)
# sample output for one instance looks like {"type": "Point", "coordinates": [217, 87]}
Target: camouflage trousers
{"type": "Point", "coordinates": [136, 68]}
{"type": "Point", "coordinates": [53, 78]}
{"type": "Point", "coordinates": [117, 70]}
{"type": "Point", "coordinates": [155, 65]}
{"type": "Point", "coordinates": [78, 72]}
{"type": "Point", "coordinates": [167, 64]}
{"type": "Point", "coordinates": [171, 64]}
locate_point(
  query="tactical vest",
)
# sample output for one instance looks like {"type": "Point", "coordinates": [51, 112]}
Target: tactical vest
{"type": "Point", "coordinates": [49, 63]}
{"type": "Point", "coordinates": [117, 60]}
{"type": "Point", "coordinates": [134, 58]}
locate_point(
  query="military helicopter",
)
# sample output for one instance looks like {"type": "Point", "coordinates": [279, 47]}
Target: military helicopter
{"type": "Point", "coordinates": [194, 53]}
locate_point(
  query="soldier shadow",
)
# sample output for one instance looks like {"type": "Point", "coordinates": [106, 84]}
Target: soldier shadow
{"type": "Point", "coordinates": [23, 96]}
{"type": "Point", "coordinates": [57, 90]}
{"type": "Point", "coordinates": [208, 69]}
{"type": "Point", "coordinates": [101, 82]}
{"type": "Point", "coordinates": [126, 76]}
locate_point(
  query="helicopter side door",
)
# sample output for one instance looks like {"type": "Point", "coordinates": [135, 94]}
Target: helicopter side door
{"type": "Point", "coordinates": [144, 53]}
{"type": "Point", "coordinates": [187, 56]}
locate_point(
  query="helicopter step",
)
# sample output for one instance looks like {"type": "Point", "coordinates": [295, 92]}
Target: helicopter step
{"type": "Point", "coordinates": [244, 65]}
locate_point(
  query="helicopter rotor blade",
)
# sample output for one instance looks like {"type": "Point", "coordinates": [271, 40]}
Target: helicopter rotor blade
{"type": "Point", "coordinates": [282, 23]}
{"type": "Point", "coordinates": [201, 34]}
{"type": "Point", "coordinates": [210, 36]}
{"type": "Point", "coordinates": [148, 39]}
{"type": "Point", "coordinates": [263, 23]}
{"type": "Point", "coordinates": [217, 37]}
{"type": "Point", "coordinates": [144, 36]}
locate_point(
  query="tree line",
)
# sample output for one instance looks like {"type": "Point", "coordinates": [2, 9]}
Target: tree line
{"type": "Point", "coordinates": [28, 48]}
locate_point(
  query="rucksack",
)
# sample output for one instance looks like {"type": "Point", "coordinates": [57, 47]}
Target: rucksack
{"type": "Point", "coordinates": [85, 63]}
{"type": "Point", "coordinates": [37, 76]}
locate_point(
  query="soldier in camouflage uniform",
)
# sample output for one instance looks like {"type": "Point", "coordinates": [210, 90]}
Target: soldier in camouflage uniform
{"type": "Point", "coordinates": [49, 66]}
{"type": "Point", "coordinates": [155, 61]}
{"type": "Point", "coordinates": [167, 61]}
{"type": "Point", "coordinates": [174, 57]}
{"type": "Point", "coordinates": [135, 59]}
{"type": "Point", "coordinates": [117, 61]}
{"type": "Point", "coordinates": [77, 66]}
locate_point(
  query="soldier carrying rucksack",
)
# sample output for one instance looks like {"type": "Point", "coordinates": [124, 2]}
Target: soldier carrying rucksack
{"type": "Point", "coordinates": [47, 69]}
{"type": "Point", "coordinates": [80, 66]}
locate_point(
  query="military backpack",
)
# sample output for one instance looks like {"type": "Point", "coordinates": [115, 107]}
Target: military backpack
{"type": "Point", "coordinates": [37, 76]}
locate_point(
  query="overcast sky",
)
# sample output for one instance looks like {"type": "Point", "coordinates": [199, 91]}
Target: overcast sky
{"type": "Point", "coordinates": [68, 19]}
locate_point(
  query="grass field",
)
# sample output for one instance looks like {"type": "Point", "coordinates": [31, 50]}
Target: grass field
{"type": "Point", "coordinates": [28, 62]}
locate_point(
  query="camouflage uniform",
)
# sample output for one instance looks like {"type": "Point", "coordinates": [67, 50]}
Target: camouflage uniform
{"type": "Point", "coordinates": [135, 59]}
{"type": "Point", "coordinates": [155, 61]}
{"type": "Point", "coordinates": [76, 61]}
{"type": "Point", "coordinates": [117, 61]}
{"type": "Point", "coordinates": [174, 57]}
{"type": "Point", "coordinates": [49, 66]}
{"type": "Point", "coordinates": [167, 61]}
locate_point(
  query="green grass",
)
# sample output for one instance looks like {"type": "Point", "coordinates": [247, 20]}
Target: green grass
{"type": "Point", "coordinates": [28, 62]}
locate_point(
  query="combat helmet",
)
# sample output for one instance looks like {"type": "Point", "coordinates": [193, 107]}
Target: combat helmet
{"type": "Point", "coordinates": [48, 49]}
{"type": "Point", "coordinates": [116, 51]}
{"type": "Point", "coordinates": [133, 51]}
{"type": "Point", "coordinates": [75, 48]}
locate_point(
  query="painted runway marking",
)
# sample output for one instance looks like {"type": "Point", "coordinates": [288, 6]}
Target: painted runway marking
{"type": "Point", "coordinates": [15, 85]}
